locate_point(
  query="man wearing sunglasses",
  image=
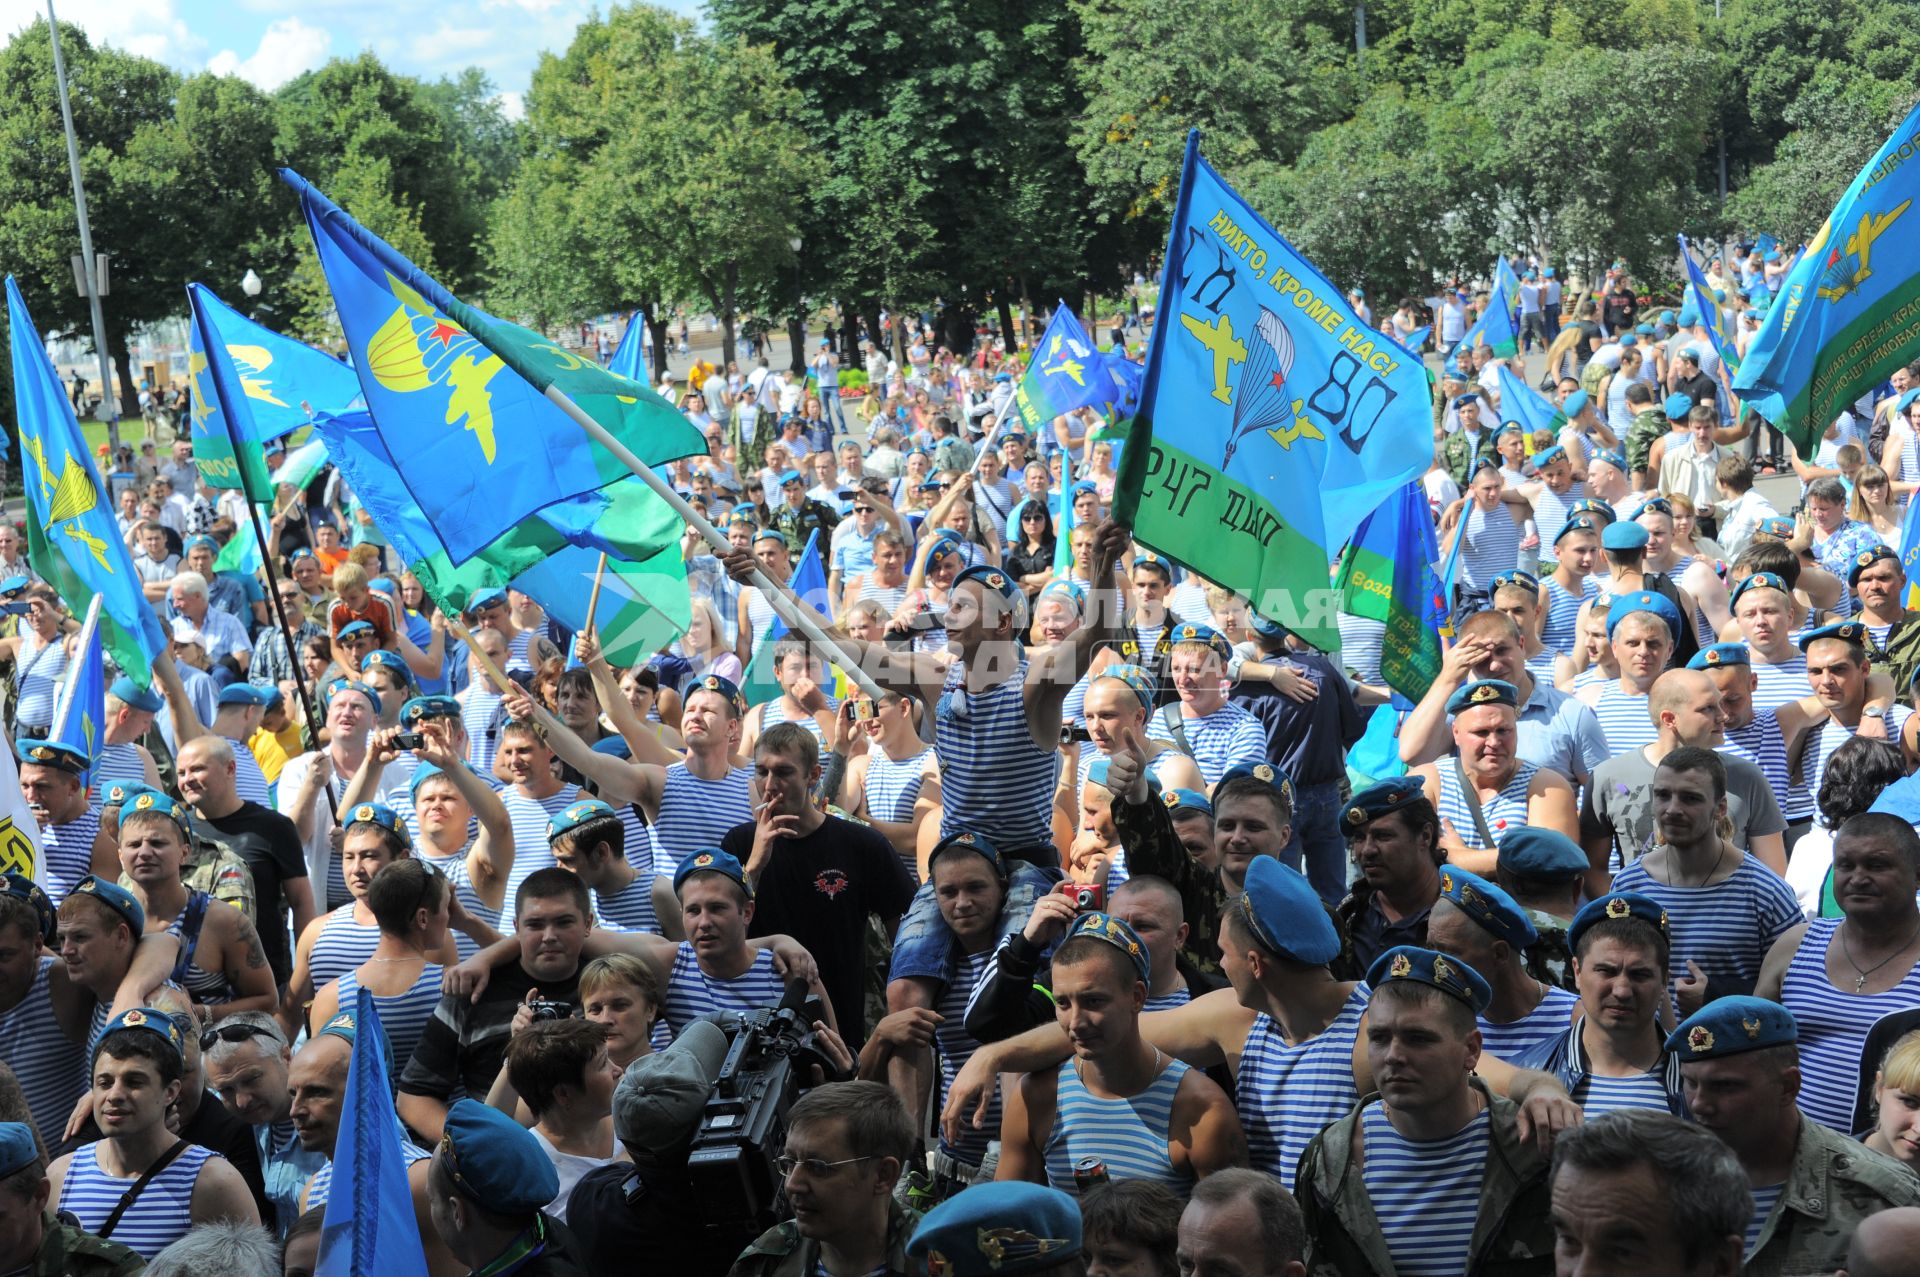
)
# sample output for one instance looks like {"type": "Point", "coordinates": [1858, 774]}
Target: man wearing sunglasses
{"type": "Point", "coordinates": [247, 1057]}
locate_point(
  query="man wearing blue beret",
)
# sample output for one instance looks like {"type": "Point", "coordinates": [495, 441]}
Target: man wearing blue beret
{"type": "Point", "coordinates": [1481, 925]}
{"type": "Point", "coordinates": [34, 1243]}
{"type": "Point", "coordinates": [1641, 625]}
{"type": "Point", "coordinates": [1442, 1152]}
{"type": "Point", "coordinates": [1838, 668]}
{"type": "Point", "coordinates": [130, 715]}
{"type": "Point", "coordinates": [1893, 638]}
{"type": "Point", "coordinates": [488, 1184]}
{"type": "Point", "coordinates": [1489, 531]}
{"type": "Point", "coordinates": [1544, 871]}
{"type": "Point", "coordinates": [1485, 788]}
{"type": "Point", "coordinates": [1741, 1067]}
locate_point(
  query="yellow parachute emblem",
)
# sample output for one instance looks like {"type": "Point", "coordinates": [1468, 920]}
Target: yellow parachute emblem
{"type": "Point", "coordinates": [418, 348]}
{"type": "Point", "coordinates": [69, 496]}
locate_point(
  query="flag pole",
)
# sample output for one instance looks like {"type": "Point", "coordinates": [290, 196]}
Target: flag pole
{"type": "Point", "coordinates": [593, 600]}
{"type": "Point", "coordinates": [786, 604]}
{"type": "Point", "coordinates": [88, 629]}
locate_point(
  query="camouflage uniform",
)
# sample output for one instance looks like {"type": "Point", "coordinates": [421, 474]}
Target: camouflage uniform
{"type": "Point", "coordinates": [213, 868]}
{"type": "Point", "coordinates": [1647, 425]}
{"type": "Point", "coordinates": [1835, 1183]}
{"type": "Point", "coordinates": [1146, 831]}
{"type": "Point", "coordinates": [66, 1251]}
{"type": "Point", "coordinates": [1458, 454]}
{"type": "Point", "coordinates": [1512, 1233]}
{"type": "Point", "coordinates": [782, 1252]}
{"type": "Point", "coordinates": [799, 524]}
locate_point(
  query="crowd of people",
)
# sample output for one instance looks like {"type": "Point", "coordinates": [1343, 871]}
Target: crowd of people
{"type": "Point", "coordinates": [1125, 955]}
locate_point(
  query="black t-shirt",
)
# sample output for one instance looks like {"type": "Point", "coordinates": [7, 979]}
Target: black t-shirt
{"type": "Point", "coordinates": [660, 1221]}
{"type": "Point", "coordinates": [819, 890]}
{"type": "Point", "coordinates": [465, 1042]}
{"type": "Point", "coordinates": [1700, 388]}
{"type": "Point", "coordinates": [270, 845]}
{"type": "Point", "coordinates": [1589, 334]}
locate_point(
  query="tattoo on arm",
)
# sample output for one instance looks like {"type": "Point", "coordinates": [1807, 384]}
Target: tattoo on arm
{"type": "Point", "coordinates": [250, 940]}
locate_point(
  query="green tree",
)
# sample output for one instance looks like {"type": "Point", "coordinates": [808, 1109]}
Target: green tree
{"type": "Point", "coordinates": [1837, 127]}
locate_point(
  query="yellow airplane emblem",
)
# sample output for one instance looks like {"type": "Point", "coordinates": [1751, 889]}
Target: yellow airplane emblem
{"type": "Point", "coordinates": [1071, 368]}
{"type": "Point", "coordinates": [67, 498]}
{"type": "Point", "coordinates": [1227, 350]}
{"type": "Point", "coordinates": [202, 398]}
{"type": "Point", "coordinates": [1858, 245]}
{"type": "Point", "coordinates": [1302, 428]}
{"type": "Point", "coordinates": [250, 362]}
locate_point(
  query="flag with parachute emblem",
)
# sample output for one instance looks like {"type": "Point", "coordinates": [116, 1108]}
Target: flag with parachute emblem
{"type": "Point", "coordinates": [251, 385]}
{"type": "Point", "coordinates": [81, 714]}
{"type": "Point", "coordinates": [1387, 574]}
{"type": "Point", "coordinates": [73, 541]}
{"type": "Point", "coordinates": [466, 403]}
{"type": "Point", "coordinates": [1272, 421]}
{"type": "Point", "coordinates": [1848, 310]}
{"type": "Point", "coordinates": [1506, 282]}
{"type": "Point", "coordinates": [1065, 373]}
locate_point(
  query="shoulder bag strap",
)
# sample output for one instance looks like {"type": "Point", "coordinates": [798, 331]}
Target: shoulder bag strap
{"type": "Point", "coordinates": [1170, 719]}
{"type": "Point", "coordinates": [139, 1186]}
{"type": "Point", "coordinates": [1472, 799]}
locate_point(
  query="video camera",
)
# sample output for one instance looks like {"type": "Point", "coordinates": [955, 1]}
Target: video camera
{"type": "Point", "coordinates": [743, 1128]}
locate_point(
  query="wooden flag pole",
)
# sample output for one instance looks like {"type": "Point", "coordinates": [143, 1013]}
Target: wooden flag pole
{"type": "Point", "coordinates": [786, 604]}
{"type": "Point", "coordinates": [498, 675]}
{"type": "Point", "coordinates": [593, 599]}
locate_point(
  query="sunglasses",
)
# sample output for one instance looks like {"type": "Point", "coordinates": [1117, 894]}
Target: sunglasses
{"type": "Point", "coordinates": [221, 1033]}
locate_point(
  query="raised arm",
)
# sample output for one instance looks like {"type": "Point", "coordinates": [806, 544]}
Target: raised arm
{"type": "Point", "coordinates": [617, 780]}
{"type": "Point", "coordinates": [645, 744]}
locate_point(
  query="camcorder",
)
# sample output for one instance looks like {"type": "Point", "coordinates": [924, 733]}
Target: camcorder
{"type": "Point", "coordinates": [770, 1057]}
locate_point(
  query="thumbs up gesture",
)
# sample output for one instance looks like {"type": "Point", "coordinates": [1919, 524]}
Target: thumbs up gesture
{"type": "Point", "coordinates": [1127, 768]}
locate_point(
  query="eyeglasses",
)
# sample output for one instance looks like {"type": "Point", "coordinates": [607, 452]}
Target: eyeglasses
{"type": "Point", "coordinates": [813, 1166]}
{"type": "Point", "coordinates": [223, 1033]}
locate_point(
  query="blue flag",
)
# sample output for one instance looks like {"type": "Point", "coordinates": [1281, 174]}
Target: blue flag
{"type": "Point", "coordinates": [1127, 377]}
{"type": "Point", "coordinates": [1495, 329]}
{"type": "Point", "coordinates": [1526, 406]}
{"type": "Point", "coordinates": [552, 557]}
{"type": "Point", "coordinates": [1848, 312]}
{"type": "Point", "coordinates": [468, 405]}
{"type": "Point", "coordinates": [370, 1225]}
{"type": "Point", "coordinates": [629, 357]}
{"type": "Point", "coordinates": [1417, 339]}
{"type": "Point", "coordinates": [809, 581]}
{"type": "Point", "coordinates": [72, 538]}
{"type": "Point", "coordinates": [251, 385]}
{"type": "Point", "coordinates": [1387, 574]}
{"type": "Point", "coordinates": [1064, 373]}
{"type": "Point", "coordinates": [1706, 301]}
{"type": "Point", "coordinates": [83, 703]}
{"type": "Point", "coordinates": [1910, 553]}
{"type": "Point", "coordinates": [1505, 282]}
{"type": "Point", "coordinates": [1273, 420]}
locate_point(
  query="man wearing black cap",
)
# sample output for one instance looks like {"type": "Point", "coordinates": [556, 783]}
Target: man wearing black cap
{"type": "Point", "coordinates": [1442, 1152]}
{"type": "Point", "coordinates": [33, 1243]}
{"type": "Point", "coordinates": [487, 1184]}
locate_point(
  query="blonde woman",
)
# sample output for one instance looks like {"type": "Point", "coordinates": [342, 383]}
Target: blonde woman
{"type": "Point", "coordinates": [705, 644]}
{"type": "Point", "coordinates": [1873, 504]}
{"type": "Point", "coordinates": [1896, 1104]}
{"type": "Point", "coordinates": [1687, 541]}
{"type": "Point", "coordinates": [895, 782]}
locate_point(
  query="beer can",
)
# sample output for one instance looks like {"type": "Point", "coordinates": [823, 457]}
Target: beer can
{"type": "Point", "coordinates": [1089, 1172]}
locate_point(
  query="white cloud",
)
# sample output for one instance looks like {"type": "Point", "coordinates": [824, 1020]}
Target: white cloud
{"type": "Point", "coordinates": [151, 29]}
{"type": "Point", "coordinates": [288, 47]}
{"type": "Point", "coordinates": [512, 105]}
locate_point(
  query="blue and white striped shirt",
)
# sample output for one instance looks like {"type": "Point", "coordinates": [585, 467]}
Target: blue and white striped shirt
{"type": "Point", "coordinates": [482, 711]}
{"type": "Point", "coordinates": [1219, 741]}
{"type": "Point", "coordinates": [1624, 719]}
{"type": "Point", "coordinates": [342, 945]}
{"type": "Point", "coordinates": [160, 1216]}
{"type": "Point", "coordinates": [455, 868]}
{"type": "Point", "coordinates": [630, 908]}
{"type": "Point", "coordinates": [404, 1016]}
{"type": "Point", "coordinates": [692, 993]}
{"type": "Point", "coordinates": [994, 781]}
{"type": "Point", "coordinates": [1492, 545]}
{"type": "Point", "coordinates": [696, 813]}
{"type": "Point", "coordinates": [1833, 1026]}
{"type": "Point", "coordinates": [51, 1070]}
{"type": "Point", "coordinates": [531, 853]}
{"type": "Point", "coordinates": [117, 762]}
{"type": "Point", "coordinates": [1288, 1094]}
{"type": "Point", "coordinates": [956, 1046]}
{"type": "Point", "coordinates": [66, 853]}
{"type": "Point", "coordinates": [1426, 1193]}
{"type": "Point", "coordinates": [1542, 1024]}
{"type": "Point", "coordinates": [319, 1189]}
{"type": "Point", "coordinates": [1725, 928]}
{"type": "Point", "coordinates": [1597, 1094]}
{"type": "Point", "coordinates": [1506, 811]}
{"type": "Point", "coordinates": [1128, 1135]}
{"type": "Point", "coordinates": [1764, 1200]}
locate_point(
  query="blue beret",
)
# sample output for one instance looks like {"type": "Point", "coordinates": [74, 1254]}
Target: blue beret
{"type": "Point", "coordinates": [773, 534]}
{"type": "Point", "coordinates": [1618, 905]}
{"type": "Point", "coordinates": [1576, 403]}
{"type": "Point", "coordinates": [1732, 1026]}
{"type": "Point", "coordinates": [344, 1026]}
{"type": "Point", "coordinates": [1533, 851]}
{"type": "Point", "coordinates": [1280, 902]}
{"type": "Point", "coordinates": [152, 800]}
{"type": "Point", "coordinates": [1265, 626]}
{"type": "Point", "coordinates": [998, 1229]}
{"type": "Point", "coordinates": [52, 753]}
{"type": "Point", "coordinates": [931, 483]}
{"type": "Point", "coordinates": [387, 660]}
{"type": "Point", "coordinates": [1097, 775]}
{"type": "Point", "coordinates": [945, 546]}
{"type": "Point", "coordinates": [143, 1020]}
{"type": "Point", "coordinates": [355, 627]}
{"type": "Point", "coordinates": [1117, 932]}
{"type": "Point", "coordinates": [496, 1161]}
{"type": "Point", "coordinates": [1773, 255]}
{"type": "Point", "coordinates": [1758, 581]}
{"type": "Point", "coordinates": [1495, 910]}
{"type": "Point", "coordinates": [1717, 655]}
{"type": "Point", "coordinates": [1266, 773]}
{"type": "Point", "coordinates": [1613, 458]}
{"type": "Point", "coordinates": [999, 583]}
{"type": "Point", "coordinates": [725, 687]}
{"type": "Point", "coordinates": [1578, 523]}
{"type": "Point", "coordinates": [1666, 317]}
{"type": "Point", "coordinates": [1628, 340]}
{"type": "Point", "coordinates": [482, 599]}
{"type": "Point", "coordinates": [1547, 455]}
{"type": "Point", "coordinates": [18, 1148]}
{"type": "Point", "coordinates": [1151, 560]}
{"type": "Point", "coordinates": [1215, 641]}
{"type": "Point", "coordinates": [1547, 272]}
{"type": "Point", "coordinates": [1181, 800]}
{"type": "Point", "coordinates": [1691, 352]}
{"type": "Point", "coordinates": [711, 860]}
{"type": "Point", "coordinates": [1378, 800]}
{"type": "Point", "coordinates": [1003, 376]}
{"type": "Point", "coordinates": [1677, 406]}
{"type": "Point", "coordinates": [979, 844]}
{"type": "Point", "coordinates": [200, 543]}
{"type": "Point", "coordinates": [1470, 396]}
{"type": "Point", "coordinates": [1647, 601]}
{"type": "Point", "coordinates": [571, 818]}
{"type": "Point", "coordinates": [14, 584]}
{"type": "Point", "coordinates": [1138, 681]}
{"type": "Point", "coordinates": [1524, 580]}
{"type": "Point", "coordinates": [421, 708]}
{"type": "Point", "coordinates": [1866, 559]}
{"type": "Point", "coordinates": [1072, 591]}
{"type": "Point", "coordinates": [344, 684]}
{"type": "Point", "coordinates": [1624, 536]}
{"type": "Point", "coordinates": [1595, 507]}
{"type": "Point", "coordinates": [421, 775]}
{"type": "Point", "coordinates": [1779, 526]}
{"type": "Point", "coordinates": [302, 553]}
{"type": "Point", "coordinates": [1645, 330]}
{"type": "Point", "coordinates": [137, 698]}
{"type": "Point", "coordinates": [23, 888]}
{"type": "Point", "coordinates": [743, 517]}
{"type": "Point", "coordinates": [1424, 966]}
{"type": "Point", "coordinates": [1845, 631]}
{"type": "Point", "coordinates": [121, 792]}
{"type": "Point", "coordinates": [242, 694]}
{"type": "Point", "coordinates": [378, 814]}
{"type": "Point", "coordinates": [790, 476]}
{"type": "Point", "coordinates": [1906, 400]}
{"type": "Point", "coordinates": [1486, 691]}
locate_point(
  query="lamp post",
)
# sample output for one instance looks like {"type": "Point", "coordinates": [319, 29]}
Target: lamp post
{"type": "Point", "coordinates": [89, 264]}
{"type": "Point", "coordinates": [797, 326]}
{"type": "Point", "coordinates": [250, 283]}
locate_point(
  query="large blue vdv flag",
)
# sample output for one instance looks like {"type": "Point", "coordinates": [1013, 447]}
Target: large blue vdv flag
{"type": "Point", "coordinates": [370, 1225]}
{"type": "Point", "coordinates": [72, 539]}
{"type": "Point", "coordinates": [629, 357]}
{"type": "Point", "coordinates": [1387, 574]}
{"type": "Point", "coordinates": [251, 385]}
{"type": "Point", "coordinates": [809, 581]}
{"type": "Point", "coordinates": [1494, 329]}
{"type": "Point", "coordinates": [1273, 420]}
{"type": "Point", "coordinates": [461, 398]}
{"type": "Point", "coordinates": [1848, 312]}
{"type": "Point", "coordinates": [1521, 403]}
{"type": "Point", "coordinates": [1706, 303]}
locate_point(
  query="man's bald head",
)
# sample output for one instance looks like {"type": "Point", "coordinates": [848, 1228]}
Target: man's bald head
{"type": "Point", "coordinates": [1884, 1244]}
{"type": "Point", "coordinates": [1674, 689]}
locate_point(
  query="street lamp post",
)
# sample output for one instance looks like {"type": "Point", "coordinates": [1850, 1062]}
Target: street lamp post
{"type": "Point", "coordinates": [797, 326]}
{"type": "Point", "coordinates": [89, 264]}
{"type": "Point", "coordinates": [250, 283]}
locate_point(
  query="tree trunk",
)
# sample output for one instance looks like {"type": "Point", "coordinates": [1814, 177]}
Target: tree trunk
{"type": "Point", "coordinates": [1007, 336]}
{"type": "Point", "coordinates": [1026, 305]}
{"type": "Point", "coordinates": [653, 315]}
{"type": "Point", "coordinates": [729, 284]}
{"type": "Point", "coordinates": [900, 338]}
{"type": "Point", "coordinates": [797, 341]}
{"type": "Point", "coordinates": [849, 337]}
{"type": "Point", "coordinates": [129, 397]}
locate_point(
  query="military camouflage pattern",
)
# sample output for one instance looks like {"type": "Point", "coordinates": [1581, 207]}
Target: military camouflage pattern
{"type": "Point", "coordinates": [1836, 1182]}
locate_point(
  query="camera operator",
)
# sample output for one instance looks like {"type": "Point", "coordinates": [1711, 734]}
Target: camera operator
{"type": "Point", "coordinates": [621, 1214]}
{"type": "Point", "coordinates": [846, 1145]}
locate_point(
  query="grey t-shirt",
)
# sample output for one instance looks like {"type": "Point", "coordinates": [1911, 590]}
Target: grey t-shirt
{"type": "Point", "coordinates": [1619, 806]}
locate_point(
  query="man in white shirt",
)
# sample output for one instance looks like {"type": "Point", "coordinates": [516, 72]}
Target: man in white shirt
{"type": "Point", "coordinates": [1742, 509]}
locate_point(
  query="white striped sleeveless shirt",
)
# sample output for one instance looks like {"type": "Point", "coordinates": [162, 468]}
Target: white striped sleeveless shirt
{"type": "Point", "coordinates": [116, 762]}
{"type": "Point", "coordinates": [455, 868]}
{"type": "Point", "coordinates": [1560, 631]}
{"type": "Point", "coordinates": [956, 1046]}
{"type": "Point", "coordinates": [692, 993]}
{"type": "Point", "coordinates": [994, 781]}
{"type": "Point", "coordinates": [1726, 928]}
{"type": "Point", "coordinates": [1288, 1094]}
{"type": "Point", "coordinates": [50, 1068]}
{"type": "Point", "coordinates": [342, 945]}
{"type": "Point", "coordinates": [529, 817]}
{"type": "Point", "coordinates": [66, 853]}
{"type": "Point", "coordinates": [1508, 810]}
{"type": "Point", "coordinates": [1129, 1136]}
{"type": "Point", "coordinates": [1833, 1026]}
{"type": "Point", "coordinates": [404, 1016]}
{"type": "Point", "coordinates": [697, 813]}
{"type": "Point", "coordinates": [1545, 1022]}
{"type": "Point", "coordinates": [160, 1216]}
{"type": "Point", "coordinates": [1492, 545]}
{"type": "Point", "coordinates": [1624, 719]}
{"type": "Point", "coordinates": [37, 670]}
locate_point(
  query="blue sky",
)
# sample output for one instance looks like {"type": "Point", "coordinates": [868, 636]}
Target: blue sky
{"type": "Point", "coordinates": [271, 41]}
